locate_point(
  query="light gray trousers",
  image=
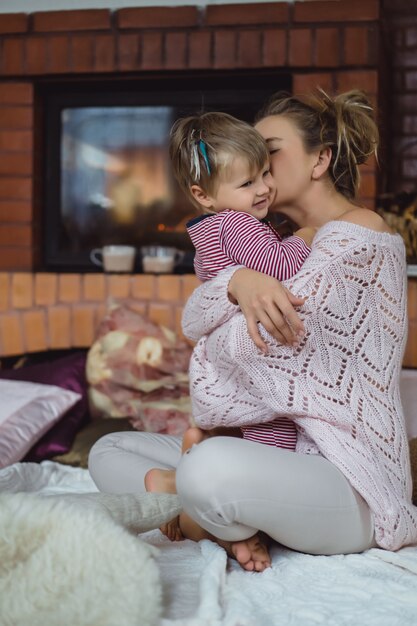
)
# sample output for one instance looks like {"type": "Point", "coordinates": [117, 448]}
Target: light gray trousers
{"type": "Point", "coordinates": [234, 487]}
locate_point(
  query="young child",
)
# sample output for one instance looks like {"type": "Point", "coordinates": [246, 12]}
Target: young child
{"type": "Point", "coordinates": [222, 164]}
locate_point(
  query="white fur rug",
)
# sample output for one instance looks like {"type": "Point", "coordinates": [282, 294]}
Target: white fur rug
{"type": "Point", "coordinates": [200, 587]}
{"type": "Point", "coordinates": [63, 565]}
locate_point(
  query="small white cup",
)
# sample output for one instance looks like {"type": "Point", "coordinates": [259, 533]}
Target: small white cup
{"type": "Point", "coordinates": [160, 259]}
{"type": "Point", "coordinates": [114, 258]}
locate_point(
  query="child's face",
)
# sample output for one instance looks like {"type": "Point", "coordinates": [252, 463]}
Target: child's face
{"type": "Point", "coordinates": [242, 189]}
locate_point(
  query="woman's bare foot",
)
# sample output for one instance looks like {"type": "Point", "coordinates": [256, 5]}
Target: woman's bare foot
{"type": "Point", "coordinates": [252, 554]}
{"type": "Point", "coordinates": [160, 481]}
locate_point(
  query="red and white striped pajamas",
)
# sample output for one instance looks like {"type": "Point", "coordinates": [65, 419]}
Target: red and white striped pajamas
{"type": "Point", "coordinates": [237, 238]}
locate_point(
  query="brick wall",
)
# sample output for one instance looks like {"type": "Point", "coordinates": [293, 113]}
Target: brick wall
{"type": "Point", "coordinates": [400, 39]}
{"type": "Point", "coordinates": [40, 311]}
{"type": "Point", "coordinates": [332, 43]}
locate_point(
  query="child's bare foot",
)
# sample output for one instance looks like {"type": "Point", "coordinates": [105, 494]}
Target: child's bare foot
{"type": "Point", "coordinates": [252, 554]}
{"type": "Point", "coordinates": [160, 481]}
{"type": "Point", "coordinates": [191, 437]}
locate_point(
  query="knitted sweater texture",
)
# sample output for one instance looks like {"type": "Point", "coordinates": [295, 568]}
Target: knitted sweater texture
{"type": "Point", "coordinates": [340, 386]}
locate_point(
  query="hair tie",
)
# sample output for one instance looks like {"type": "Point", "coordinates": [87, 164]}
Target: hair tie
{"type": "Point", "coordinates": [203, 151]}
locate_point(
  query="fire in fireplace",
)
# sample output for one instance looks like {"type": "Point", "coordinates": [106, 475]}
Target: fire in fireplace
{"type": "Point", "coordinates": [107, 173]}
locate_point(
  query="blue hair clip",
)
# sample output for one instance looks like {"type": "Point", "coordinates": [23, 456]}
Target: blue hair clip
{"type": "Point", "coordinates": [203, 151]}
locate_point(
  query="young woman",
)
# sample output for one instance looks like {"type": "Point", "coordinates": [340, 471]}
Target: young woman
{"type": "Point", "coordinates": [347, 487]}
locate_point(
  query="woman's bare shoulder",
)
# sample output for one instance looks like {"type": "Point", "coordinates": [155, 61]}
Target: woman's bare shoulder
{"type": "Point", "coordinates": [368, 219]}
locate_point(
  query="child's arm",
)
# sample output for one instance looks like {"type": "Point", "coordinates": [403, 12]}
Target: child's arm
{"type": "Point", "coordinates": [252, 243]}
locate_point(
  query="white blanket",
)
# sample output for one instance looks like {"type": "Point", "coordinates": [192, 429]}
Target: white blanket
{"type": "Point", "coordinates": [203, 588]}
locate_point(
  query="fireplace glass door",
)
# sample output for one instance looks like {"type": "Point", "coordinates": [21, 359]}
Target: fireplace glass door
{"type": "Point", "coordinates": [108, 176]}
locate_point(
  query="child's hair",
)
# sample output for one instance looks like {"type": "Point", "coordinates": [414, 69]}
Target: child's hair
{"type": "Point", "coordinates": [344, 123]}
{"type": "Point", "coordinates": [203, 146]}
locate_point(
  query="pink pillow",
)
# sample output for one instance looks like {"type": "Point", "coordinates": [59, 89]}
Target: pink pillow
{"type": "Point", "coordinates": [27, 411]}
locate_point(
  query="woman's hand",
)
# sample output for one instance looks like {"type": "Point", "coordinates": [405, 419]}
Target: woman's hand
{"type": "Point", "coordinates": [265, 300]}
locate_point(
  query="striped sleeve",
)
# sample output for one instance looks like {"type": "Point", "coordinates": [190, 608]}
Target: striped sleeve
{"type": "Point", "coordinates": [252, 243]}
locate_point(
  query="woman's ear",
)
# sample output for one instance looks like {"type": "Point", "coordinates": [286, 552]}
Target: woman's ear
{"type": "Point", "coordinates": [201, 196]}
{"type": "Point", "coordinates": [322, 164]}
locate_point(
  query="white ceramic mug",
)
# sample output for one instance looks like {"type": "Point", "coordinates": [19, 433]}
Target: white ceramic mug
{"type": "Point", "coordinates": [160, 259]}
{"type": "Point", "coordinates": [114, 258]}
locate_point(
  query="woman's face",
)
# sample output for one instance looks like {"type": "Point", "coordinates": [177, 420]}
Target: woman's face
{"type": "Point", "coordinates": [291, 165]}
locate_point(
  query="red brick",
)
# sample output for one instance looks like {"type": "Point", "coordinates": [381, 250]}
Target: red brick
{"type": "Point", "coordinates": [35, 55]}
{"type": "Point", "coordinates": [16, 141]}
{"type": "Point", "coordinates": [300, 50]}
{"type": "Point", "coordinates": [13, 23]}
{"type": "Point", "coordinates": [15, 164]}
{"type": "Point", "coordinates": [15, 211]}
{"type": "Point", "coordinates": [69, 287]}
{"type": "Point", "coordinates": [16, 117]}
{"type": "Point", "coordinates": [94, 287]}
{"type": "Point", "coordinates": [22, 290]}
{"type": "Point", "coordinates": [331, 11]}
{"type": "Point", "coordinates": [168, 288]}
{"type": "Point", "coordinates": [128, 51]}
{"type": "Point", "coordinates": [224, 49]}
{"type": "Point", "coordinates": [15, 235]}
{"type": "Point", "coordinates": [16, 93]}
{"type": "Point", "coordinates": [104, 47]}
{"type": "Point", "coordinates": [327, 47]}
{"type": "Point", "coordinates": [12, 61]}
{"type": "Point", "coordinates": [11, 335]}
{"type": "Point", "coordinates": [152, 51]}
{"type": "Point", "coordinates": [355, 45]}
{"type": "Point", "coordinates": [157, 17]}
{"type": "Point", "coordinates": [82, 53]}
{"type": "Point", "coordinates": [58, 54]}
{"type": "Point", "coordinates": [59, 326]}
{"type": "Point", "coordinates": [199, 49]}
{"type": "Point", "coordinates": [367, 80]}
{"type": "Point", "coordinates": [175, 50]}
{"type": "Point", "coordinates": [93, 19]}
{"type": "Point", "coordinates": [143, 287]}
{"type": "Point", "coordinates": [118, 286]}
{"type": "Point", "coordinates": [368, 185]}
{"type": "Point", "coordinates": [16, 188]}
{"type": "Point", "coordinates": [45, 289]}
{"type": "Point", "coordinates": [239, 14]}
{"type": "Point", "coordinates": [16, 259]}
{"type": "Point", "coordinates": [4, 291]}
{"type": "Point", "coordinates": [83, 326]}
{"type": "Point", "coordinates": [34, 331]}
{"type": "Point", "coordinates": [306, 83]}
{"type": "Point", "coordinates": [274, 48]}
{"type": "Point", "coordinates": [249, 49]}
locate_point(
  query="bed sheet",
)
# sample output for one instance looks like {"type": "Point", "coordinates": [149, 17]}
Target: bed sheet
{"type": "Point", "coordinates": [201, 587]}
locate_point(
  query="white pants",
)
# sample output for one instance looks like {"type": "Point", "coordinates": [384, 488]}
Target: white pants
{"type": "Point", "coordinates": [233, 488]}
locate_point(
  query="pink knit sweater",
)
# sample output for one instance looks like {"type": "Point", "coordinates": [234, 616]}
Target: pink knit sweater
{"type": "Point", "coordinates": [340, 386]}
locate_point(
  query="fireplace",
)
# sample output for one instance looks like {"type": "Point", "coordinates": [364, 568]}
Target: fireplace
{"type": "Point", "coordinates": [247, 49]}
{"type": "Point", "coordinates": [107, 175]}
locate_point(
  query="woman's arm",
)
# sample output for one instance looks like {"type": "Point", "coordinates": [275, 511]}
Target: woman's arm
{"type": "Point", "coordinates": [261, 299]}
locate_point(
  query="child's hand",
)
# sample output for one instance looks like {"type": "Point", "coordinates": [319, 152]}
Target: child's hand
{"type": "Point", "coordinates": [307, 234]}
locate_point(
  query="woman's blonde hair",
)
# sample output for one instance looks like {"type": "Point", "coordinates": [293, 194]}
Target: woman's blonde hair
{"type": "Point", "coordinates": [203, 146]}
{"type": "Point", "coordinates": [344, 123]}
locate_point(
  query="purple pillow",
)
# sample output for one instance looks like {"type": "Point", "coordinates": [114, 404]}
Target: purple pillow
{"type": "Point", "coordinates": [67, 372]}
